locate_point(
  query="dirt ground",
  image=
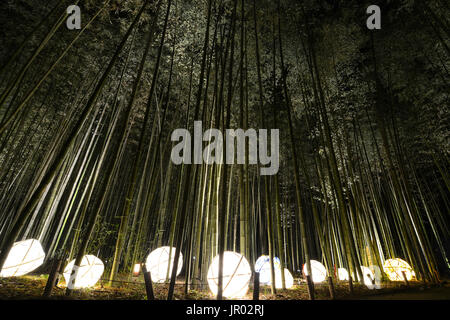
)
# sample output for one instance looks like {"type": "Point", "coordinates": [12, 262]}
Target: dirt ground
{"type": "Point", "coordinates": [439, 293]}
{"type": "Point", "coordinates": [32, 287]}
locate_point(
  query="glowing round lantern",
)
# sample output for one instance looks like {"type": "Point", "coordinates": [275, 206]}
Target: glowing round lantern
{"type": "Point", "coordinates": [262, 266]}
{"type": "Point", "coordinates": [24, 257]}
{"type": "Point", "coordinates": [288, 279]}
{"type": "Point", "coordinates": [87, 274]}
{"type": "Point", "coordinates": [394, 268]}
{"type": "Point", "coordinates": [319, 273]}
{"type": "Point", "coordinates": [343, 274]}
{"type": "Point", "coordinates": [368, 277]}
{"type": "Point", "coordinates": [236, 275]}
{"type": "Point", "coordinates": [158, 263]}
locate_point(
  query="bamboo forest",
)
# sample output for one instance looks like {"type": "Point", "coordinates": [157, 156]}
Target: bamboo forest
{"type": "Point", "coordinates": [224, 149]}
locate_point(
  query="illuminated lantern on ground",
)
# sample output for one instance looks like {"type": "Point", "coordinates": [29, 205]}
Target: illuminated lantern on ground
{"type": "Point", "coordinates": [343, 274]}
{"type": "Point", "coordinates": [236, 275]}
{"type": "Point", "coordinates": [394, 267]}
{"type": "Point", "coordinates": [319, 273]}
{"type": "Point", "coordinates": [24, 257]}
{"type": "Point", "coordinates": [158, 263]}
{"type": "Point", "coordinates": [288, 279]}
{"type": "Point", "coordinates": [262, 266]}
{"type": "Point", "coordinates": [368, 277]}
{"type": "Point", "coordinates": [376, 271]}
{"type": "Point", "coordinates": [88, 273]}
{"type": "Point", "coordinates": [136, 269]}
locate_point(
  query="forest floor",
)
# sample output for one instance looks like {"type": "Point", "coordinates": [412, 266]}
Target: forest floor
{"type": "Point", "coordinates": [32, 287]}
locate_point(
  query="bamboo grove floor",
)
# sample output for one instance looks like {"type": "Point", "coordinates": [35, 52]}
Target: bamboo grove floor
{"type": "Point", "coordinates": [32, 287]}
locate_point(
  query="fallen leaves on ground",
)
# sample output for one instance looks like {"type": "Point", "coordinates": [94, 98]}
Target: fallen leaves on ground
{"type": "Point", "coordinates": [32, 287]}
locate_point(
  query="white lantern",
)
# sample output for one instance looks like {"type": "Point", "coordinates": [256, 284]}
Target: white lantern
{"type": "Point", "coordinates": [87, 274]}
{"type": "Point", "coordinates": [236, 275]}
{"type": "Point", "coordinates": [288, 279]}
{"type": "Point", "coordinates": [136, 269]}
{"type": "Point", "coordinates": [343, 274]}
{"type": "Point", "coordinates": [368, 277]}
{"type": "Point", "coordinates": [319, 273]}
{"type": "Point", "coordinates": [158, 263]}
{"type": "Point", "coordinates": [24, 257]}
{"type": "Point", "coordinates": [262, 266]}
{"type": "Point", "coordinates": [394, 267]}
{"type": "Point", "coordinates": [376, 271]}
